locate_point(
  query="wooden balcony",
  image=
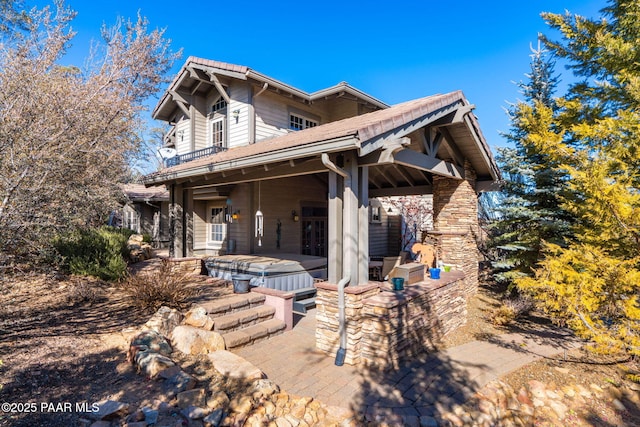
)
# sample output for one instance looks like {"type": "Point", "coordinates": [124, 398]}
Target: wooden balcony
{"type": "Point", "coordinates": [193, 155]}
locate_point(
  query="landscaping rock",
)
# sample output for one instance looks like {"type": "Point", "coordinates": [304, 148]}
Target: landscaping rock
{"type": "Point", "coordinates": [214, 418]}
{"type": "Point", "coordinates": [164, 320]}
{"type": "Point", "coordinates": [197, 316]}
{"type": "Point", "coordinates": [151, 363]}
{"type": "Point", "coordinates": [233, 366]}
{"type": "Point", "coordinates": [153, 341]}
{"type": "Point", "coordinates": [263, 388]}
{"type": "Point", "coordinates": [192, 340]}
{"type": "Point", "coordinates": [218, 400]}
{"type": "Point", "coordinates": [195, 397]}
{"type": "Point", "coordinates": [194, 412]}
{"type": "Point", "coordinates": [178, 382]}
{"type": "Point", "coordinates": [109, 409]}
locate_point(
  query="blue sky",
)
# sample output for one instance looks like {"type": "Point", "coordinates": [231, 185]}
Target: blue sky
{"type": "Point", "coordinates": [395, 51]}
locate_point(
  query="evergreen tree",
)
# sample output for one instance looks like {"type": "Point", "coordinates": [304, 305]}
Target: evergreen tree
{"type": "Point", "coordinates": [529, 213]}
{"type": "Point", "coordinates": [593, 283]}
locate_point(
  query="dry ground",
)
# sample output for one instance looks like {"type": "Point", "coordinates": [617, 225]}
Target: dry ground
{"type": "Point", "coordinates": [61, 341]}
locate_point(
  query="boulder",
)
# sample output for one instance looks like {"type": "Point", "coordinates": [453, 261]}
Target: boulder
{"type": "Point", "coordinates": [164, 320]}
{"type": "Point", "coordinates": [197, 316]}
{"type": "Point", "coordinates": [233, 366]}
{"type": "Point", "coordinates": [151, 363]}
{"type": "Point", "coordinates": [192, 340]}
{"type": "Point", "coordinates": [153, 341]}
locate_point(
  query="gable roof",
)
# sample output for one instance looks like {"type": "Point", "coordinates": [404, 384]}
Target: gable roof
{"type": "Point", "coordinates": [164, 108]}
{"type": "Point", "coordinates": [365, 133]}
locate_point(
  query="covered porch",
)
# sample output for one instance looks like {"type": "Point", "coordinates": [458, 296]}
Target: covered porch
{"type": "Point", "coordinates": [431, 145]}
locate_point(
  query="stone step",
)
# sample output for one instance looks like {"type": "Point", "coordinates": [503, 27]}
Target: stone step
{"type": "Point", "coordinates": [253, 334]}
{"type": "Point", "coordinates": [242, 319]}
{"type": "Point", "coordinates": [232, 304]}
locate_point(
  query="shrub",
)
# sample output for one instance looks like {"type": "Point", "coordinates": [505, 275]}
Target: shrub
{"type": "Point", "coordinates": [98, 252]}
{"type": "Point", "coordinates": [510, 310]}
{"type": "Point", "coordinates": [163, 286]}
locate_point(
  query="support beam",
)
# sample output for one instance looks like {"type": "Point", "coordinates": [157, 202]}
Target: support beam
{"type": "Point", "coordinates": [389, 179]}
{"type": "Point", "coordinates": [413, 159]}
{"type": "Point", "coordinates": [431, 140]}
{"type": "Point", "coordinates": [218, 85]}
{"type": "Point", "coordinates": [403, 191]}
{"type": "Point", "coordinates": [180, 102]}
{"type": "Point", "coordinates": [453, 150]}
{"type": "Point", "coordinates": [404, 175]}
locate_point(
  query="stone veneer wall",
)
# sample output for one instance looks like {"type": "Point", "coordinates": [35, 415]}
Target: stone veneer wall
{"type": "Point", "coordinates": [327, 323]}
{"type": "Point", "coordinates": [187, 265]}
{"type": "Point", "coordinates": [384, 327]}
{"type": "Point", "coordinates": [398, 325]}
{"type": "Point", "coordinates": [455, 207]}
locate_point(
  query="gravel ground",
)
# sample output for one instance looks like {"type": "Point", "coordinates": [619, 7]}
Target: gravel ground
{"type": "Point", "coordinates": [61, 342]}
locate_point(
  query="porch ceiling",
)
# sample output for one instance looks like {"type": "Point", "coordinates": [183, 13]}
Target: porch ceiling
{"type": "Point", "coordinates": [404, 146]}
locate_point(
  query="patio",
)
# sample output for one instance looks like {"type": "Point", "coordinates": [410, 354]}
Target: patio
{"type": "Point", "coordinates": [429, 385]}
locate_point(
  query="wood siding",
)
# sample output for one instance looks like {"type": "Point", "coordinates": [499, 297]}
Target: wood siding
{"type": "Point", "coordinates": [272, 115]}
{"type": "Point", "coordinates": [199, 225]}
{"type": "Point", "coordinates": [199, 117]}
{"type": "Point", "coordinates": [278, 198]}
{"type": "Point", "coordinates": [238, 128]}
{"type": "Point", "coordinates": [183, 135]}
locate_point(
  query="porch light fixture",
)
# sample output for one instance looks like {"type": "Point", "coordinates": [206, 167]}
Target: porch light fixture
{"type": "Point", "coordinates": [236, 114]}
{"type": "Point", "coordinates": [259, 219]}
{"type": "Point", "coordinates": [294, 216]}
{"type": "Point", "coordinates": [235, 215]}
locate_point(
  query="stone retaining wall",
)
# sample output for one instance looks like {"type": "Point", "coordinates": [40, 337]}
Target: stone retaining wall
{"type": "Point", "coordinates": [187, 265]}
{"type": "Point", "coordinates": [385, 326]}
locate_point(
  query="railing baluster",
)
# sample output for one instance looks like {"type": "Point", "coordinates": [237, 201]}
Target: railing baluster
{"type": "Point", "coordinates": [193, 155]}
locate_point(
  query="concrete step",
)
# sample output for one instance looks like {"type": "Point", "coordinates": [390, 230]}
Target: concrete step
{"type": "Point", "coordinates": [301, 306]}
{"type": "Point", "coordinates": [304, 298]}
{"type": "Point", "coordinates": [253, 334]}
{"type": "Point", "coordinates": [242, 319]}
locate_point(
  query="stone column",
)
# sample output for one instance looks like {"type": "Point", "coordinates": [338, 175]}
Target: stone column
{"type": "Point", "coordinates": [455, 211]}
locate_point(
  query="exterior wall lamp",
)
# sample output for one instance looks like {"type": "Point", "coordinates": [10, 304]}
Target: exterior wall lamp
{"type": "Point", "coordinates": [294, 216]}
{"type": "Point", "coordinates": [235, 215]}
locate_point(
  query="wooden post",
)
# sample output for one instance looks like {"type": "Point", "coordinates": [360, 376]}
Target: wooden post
{"type": "Point", "coordinates": [363, 226]}
{"type": "Point", "coordinates": [336, 187]}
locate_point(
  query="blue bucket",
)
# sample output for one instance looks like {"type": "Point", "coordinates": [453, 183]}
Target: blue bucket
{"type": "Point", "coordinates": [398, 283]}
{"type": "Point", "coordinates": [434, 273]}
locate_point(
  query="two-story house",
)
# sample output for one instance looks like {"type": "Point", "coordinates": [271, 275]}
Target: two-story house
{"type": "Point", "coordinates": [262, 167]}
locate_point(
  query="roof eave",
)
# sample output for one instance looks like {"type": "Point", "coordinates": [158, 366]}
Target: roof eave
{"type": "Point", "coordinates": [345, 87]}
{"type": "Point", "coordinates": [336, 144]}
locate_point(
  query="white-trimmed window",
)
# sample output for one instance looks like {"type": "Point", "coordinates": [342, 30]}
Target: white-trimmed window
{"type": "Point", "coordinates": [217, 132]}
{"type": "Point", "coordinates": [219, 106]}
{"type": "Point", "coordinates": [375, 211]}
{"type": "Point", "coordinates": [217, 226]}
{"type": "Point", "coordinates": [132, 220]}
{"type": "Point", "coordinates": [299, 122]}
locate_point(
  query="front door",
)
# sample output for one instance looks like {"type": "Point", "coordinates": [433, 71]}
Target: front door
{"type": "Point", "coordinates": [314, 230]}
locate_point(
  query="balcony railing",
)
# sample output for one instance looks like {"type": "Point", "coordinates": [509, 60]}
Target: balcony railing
{"type": "Point", "coordinates": [193, 155]}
